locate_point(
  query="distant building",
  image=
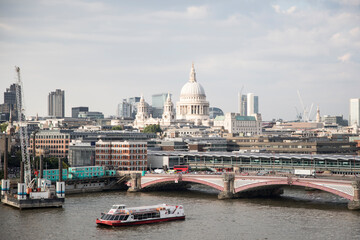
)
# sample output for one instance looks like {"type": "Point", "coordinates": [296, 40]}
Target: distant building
{"type": "Point", "coordinates": [124, 109]}
{"type": "Point", "coordinates": [244, 125]}
{"type": "Point", "coordinates": [334, 120]}
{"type": "Point", "coordinates": [248, 105]}
{"type": "Point", "coordinates": [91, 115]}
{"type": "Point", "coordinates": [291, 145]}
{"type": "Point", "coordinates": [242, 105]}
{"type": "Point", "coordinates": [75, 111]}
{"type": "Point", "coordinates": [158, 101]}
{"type": "Point", "coordinates": [133, 101]}
{"type": "Point", "coordinates": [214, 112]}
{"type": "Point", "coordinates": [127, 155]}
{"type": "Point", "coordinates": [9, 105]}
{"type": "Point", "coordinates": [53, 143]}
{"type": "Point", "coordinates": [354, 113]}
{"type": "Point", "coordinates": [252, 104]}
{"type": "Point", "coordinates": [56, 103]}
{"type": "Point", "coordinates": [81, 154]}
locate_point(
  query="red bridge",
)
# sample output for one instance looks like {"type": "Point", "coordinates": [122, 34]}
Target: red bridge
{"type": "Point", "coordinates": [231, 185]}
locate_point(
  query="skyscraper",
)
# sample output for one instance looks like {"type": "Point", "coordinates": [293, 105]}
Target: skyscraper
{"type": "Point", "coordinates": [56, 103]}
{"type": "Point", "coordinates": [9, 104]}
{"type": "Point", "coordinates": [242, 105]}
{"type": "Point", "coordinates": [124, 109]}
{"type": "Point", "coordinates": [354, 113]}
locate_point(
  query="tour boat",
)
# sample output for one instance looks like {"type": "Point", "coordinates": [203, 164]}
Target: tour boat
{"type": "Point", "coordinates": [120, 215]}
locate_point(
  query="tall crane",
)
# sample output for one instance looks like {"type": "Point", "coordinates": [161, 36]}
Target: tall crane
{"type": "Point", "coordinates": [23, 131]}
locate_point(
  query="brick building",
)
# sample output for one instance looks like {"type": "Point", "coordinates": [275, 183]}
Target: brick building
{"type": "Point", "coordinates": [126, 155]}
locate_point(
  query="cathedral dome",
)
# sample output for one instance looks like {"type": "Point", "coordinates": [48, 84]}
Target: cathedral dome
{"type": "Point", "coordinates": [191, 89]}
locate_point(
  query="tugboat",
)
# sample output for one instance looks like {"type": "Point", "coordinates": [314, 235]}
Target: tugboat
{"type": "Point", "coordinates": [120, 215]}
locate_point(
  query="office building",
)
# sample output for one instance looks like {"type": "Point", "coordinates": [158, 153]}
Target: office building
{"type": "Point", "coordinates": [252, 104]}
{"type": "Point", "coordinates": [9, 105]}
{"type": "Point", "coordinates": [242, 105]}
{"type": "Point", "coordinates": [126, 155]}
{"type": "Point", "coordinates": [158, 101]}
{"type": "Point", "coordinates": [354, 113]}
{"type": "Point", "coordinates": [91, 115]}
{"type": "Point", "coordinates": [76, 110]}
{"type": "Point", "coordinates": [248, 104]}
{"type": "Point", "coordinates": [56, 103]}
{"type": "Point", "coordinates": [243, 125]}
{"type": "Point", "coordinates": [133, 101]}
{"type": "Point", "coordinates": [124, 109]}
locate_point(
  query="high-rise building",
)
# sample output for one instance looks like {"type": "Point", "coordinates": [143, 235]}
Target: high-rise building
{"type": "Point", "coordinates": [124, 109]}
{"type": "Point", "coordinates": [158, 101]}
{"type": "Point", "coordinates": [242, 105]}
{"type": "Point", "coordinates": [75, 111]}
{"type": "Point", "coordinates": [133, 102]}
{"type": "Point", "coordinates": [354, 113]}
{"type": "Point", "coordinates": [9, 105]}
{"type": "Point", "coordinates": [56, 103]}
{"type": "Point", "coordinates": [248, 105]}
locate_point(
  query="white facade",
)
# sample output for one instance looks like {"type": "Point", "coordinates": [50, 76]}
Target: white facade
{"type": "Point", "coordinates": [250, 104]}
{"type": "Point", "coordinates": [192, 105]}
{"type": "Point", "coordinates": [354, 113]}
{"type": "Point", "coordinates": [234, 123]}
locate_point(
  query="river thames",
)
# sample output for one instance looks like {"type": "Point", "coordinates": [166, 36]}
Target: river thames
{"type": "Point", "coordinates": [298, 214]}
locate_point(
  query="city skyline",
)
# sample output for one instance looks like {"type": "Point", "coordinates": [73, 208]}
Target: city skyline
{"type": "Point", "coordinates": [102, 52]}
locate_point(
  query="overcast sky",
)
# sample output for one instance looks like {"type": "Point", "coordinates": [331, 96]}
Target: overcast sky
{"type": "Point", "coordinates": [100, 52]}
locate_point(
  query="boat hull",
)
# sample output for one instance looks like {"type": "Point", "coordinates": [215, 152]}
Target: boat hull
{"type": "Point", "coordinates": [148, 221]}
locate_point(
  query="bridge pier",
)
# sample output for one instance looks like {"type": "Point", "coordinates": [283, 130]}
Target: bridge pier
{"type": "Point", "coordinates": [135, 182]}
{"type": "Point", "coordinates": [229, 190]}
{"type": "Point", "coordinates": [355, 204]}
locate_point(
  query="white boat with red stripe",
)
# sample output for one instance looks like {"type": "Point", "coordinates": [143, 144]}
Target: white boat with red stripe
{"type": "Point", "coordinates": [120, 215]}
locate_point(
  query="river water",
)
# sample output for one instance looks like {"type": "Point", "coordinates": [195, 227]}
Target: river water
{"type": "Point", "coordinates": [298, 214]}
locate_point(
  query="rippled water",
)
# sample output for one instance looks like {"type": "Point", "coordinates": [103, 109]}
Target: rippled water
{"type": "Point", "coordinates": [298, 214]}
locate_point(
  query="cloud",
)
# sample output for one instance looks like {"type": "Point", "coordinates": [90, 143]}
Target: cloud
{"type": "Point", "coordinates": [197, 12]}
{"type": "Point", "coordinates": [349, 2]}
{"type": "Point", "coordinates": [355, 31]}
{"type": "Point", "coordinates": [288, 11]}
{"type": "Point", "coordinates": [192, 12]}
{"type": "Point", "coordinates": [6, 27]}
{"type": "Point", "coordinates": [345, 58]}
{"type": "Point", "coordinates": [84, 5]}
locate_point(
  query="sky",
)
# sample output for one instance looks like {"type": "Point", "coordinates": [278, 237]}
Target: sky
{"type": "Point", "coordinates": [101, 52]}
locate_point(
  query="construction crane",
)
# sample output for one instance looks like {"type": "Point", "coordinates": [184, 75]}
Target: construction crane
{"type": "Point", "coordinates": [23, 131]}
{"type": "Point", "coordinates": [306, 113]}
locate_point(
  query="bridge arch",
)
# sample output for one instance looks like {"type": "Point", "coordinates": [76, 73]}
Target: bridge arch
{"type": "Point", "coordinates": [295, 183]}
{"type": "Point", "coordinates": [172, 180]}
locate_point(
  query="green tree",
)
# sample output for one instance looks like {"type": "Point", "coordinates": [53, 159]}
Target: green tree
{"type": "Point", "coordinates": [153, 128]}
{"type": "Point", "coordinates": [117, 127]}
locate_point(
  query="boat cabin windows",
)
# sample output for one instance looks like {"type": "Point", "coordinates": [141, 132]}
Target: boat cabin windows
{"type": "Point", "coordinates": [111, 217]}
{"type": "Point", "coordinates": [141, 216]}
{"type": "Point", "coordinates": [118, 207]}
